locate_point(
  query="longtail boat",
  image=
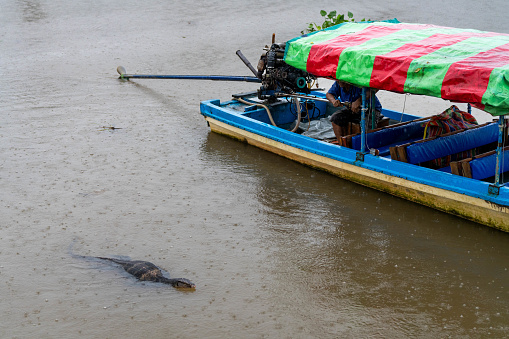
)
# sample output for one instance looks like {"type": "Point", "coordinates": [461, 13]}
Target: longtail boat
{"type": "Point", "coordinates": [456, 166]}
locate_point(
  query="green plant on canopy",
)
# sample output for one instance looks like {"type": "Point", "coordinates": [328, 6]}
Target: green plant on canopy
{"type": "Point", "coordinates": [331, 19]}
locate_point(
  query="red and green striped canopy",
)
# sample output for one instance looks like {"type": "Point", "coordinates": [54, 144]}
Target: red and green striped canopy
{"type": "Point", "coordinates": [461, 65]}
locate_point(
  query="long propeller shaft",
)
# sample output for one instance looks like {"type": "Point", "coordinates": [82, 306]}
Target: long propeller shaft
{"type": "Point", "coordinates": [121, 70]}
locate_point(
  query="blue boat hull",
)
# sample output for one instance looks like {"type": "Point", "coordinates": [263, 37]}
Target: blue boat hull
{"type": "Point", "coordinates": [461, 196]}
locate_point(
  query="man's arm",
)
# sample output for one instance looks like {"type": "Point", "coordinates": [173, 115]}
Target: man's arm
{"type": "Point", "coordinates": [356, 105]}
{"type": "Point", "coordinates": [335, 102]}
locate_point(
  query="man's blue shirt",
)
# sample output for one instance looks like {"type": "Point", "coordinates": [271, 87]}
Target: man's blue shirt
{"type": "Point", "coordinates": [351, 95]}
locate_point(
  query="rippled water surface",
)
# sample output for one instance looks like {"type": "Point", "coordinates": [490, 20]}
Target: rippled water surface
{"type": "Point", "coordinates": [276, 249]}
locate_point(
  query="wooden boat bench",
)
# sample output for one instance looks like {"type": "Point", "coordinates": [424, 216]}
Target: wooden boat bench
{"type": "Point", "coordinates": [384, 137]}
{"type": "Point", "coordinates": [481, 166]}
{"type": "Point", "coordinates": [446, 144]}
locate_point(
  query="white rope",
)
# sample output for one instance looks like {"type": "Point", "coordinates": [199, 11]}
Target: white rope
{"type": "Point", "coordinates": [404, 105]}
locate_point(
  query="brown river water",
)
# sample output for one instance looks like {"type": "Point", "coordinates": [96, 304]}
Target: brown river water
{"type": "Point", "coordinates": [276, 249]}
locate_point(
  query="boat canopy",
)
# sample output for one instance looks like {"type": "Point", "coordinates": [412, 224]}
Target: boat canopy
{"type": "Point", "coordinates": [460, 65]}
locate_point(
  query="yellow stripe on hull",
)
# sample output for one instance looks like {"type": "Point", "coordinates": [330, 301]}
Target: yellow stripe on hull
{"type": "Point", "coordinates": [462, 205]}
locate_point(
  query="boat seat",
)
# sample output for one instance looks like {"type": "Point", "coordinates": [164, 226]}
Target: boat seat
{"type": "Point", "coordinates": [446, 144]}
{"type": "Point", "coordinates": [386, 150]}
{"type": "Point", "coordinates": [481, 166]}
{"type": "Point", "coordinates": [387, 136]}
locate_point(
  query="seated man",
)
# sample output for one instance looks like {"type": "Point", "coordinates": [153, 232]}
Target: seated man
{"type": "Point", "coordinates": [350, 111]}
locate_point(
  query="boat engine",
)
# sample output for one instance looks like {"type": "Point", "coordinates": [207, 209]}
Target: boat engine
{"type": "Point", "coordinates": [278, 77]}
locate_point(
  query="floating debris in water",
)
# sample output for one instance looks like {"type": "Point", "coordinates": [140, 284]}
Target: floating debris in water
{"type": "Point", "coordinates": [109, 128]}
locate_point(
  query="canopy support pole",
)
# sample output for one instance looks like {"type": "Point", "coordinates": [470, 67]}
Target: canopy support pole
{"type": "Point", "coordinates": [360, 155]}
{"type": "Point", "coordinates": [469, 109]}
{"type": "Point", "coordinates": [372, 104]}
{"type": "Point", "coordinates": [495, 188]}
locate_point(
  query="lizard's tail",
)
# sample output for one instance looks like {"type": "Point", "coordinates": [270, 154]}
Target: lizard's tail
{"type": "Point", "coordinates": [70, 249]}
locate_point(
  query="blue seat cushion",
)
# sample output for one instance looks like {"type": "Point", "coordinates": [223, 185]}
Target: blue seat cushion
{"type": "Point", "coordinates": [445, 169]}
{"type": "Point", "coordinates": [484, 167]}
{"type": "Point", "coordinates": [452, 144]}
{"type": "Point", "coordinates": [391, 136]}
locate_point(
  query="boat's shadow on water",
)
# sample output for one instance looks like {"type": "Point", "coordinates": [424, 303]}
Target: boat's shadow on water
{"type": "Point", "coordinates": [350, 201]}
